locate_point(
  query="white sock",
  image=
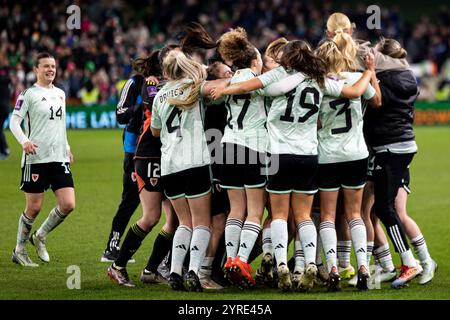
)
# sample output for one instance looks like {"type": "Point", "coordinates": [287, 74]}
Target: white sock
{"type": "Point", "coordinates": [369, 251]}
{"type": "Point", "coordinates": [383, 255]}
{"type": "Point", "coordinates": [279, 238]}
{"type": "Point", "coordinates": [359, 239]}
{"type": "Point", "coordinates": [53, 220]}
{"type": "Point", "coordinates": [249, 234]}
{"type": "Point", "coordinates": [199, 244]}
{"type": "Point", "coordinates": [233, 229]}
{"type": "Point", "coordinates": [319, 250]}
{"type": "Point", "coordinates": [299, 257]}
{"type": "Point", "coordinates": [308, 237]}
{"type": "Point", "coordinates": [420, 247]}
{"type": "Point", "coordinates": [344, 249]}
{"type": "Point", "coordinates": [180, 247]}
{"type": "Point", "coordinates": [408, 258]}
{"type": "Point", "coordinates": [23, 233]}
{"type": "Point", "coordinates": [329, 241]}
{"type": "Point", "coordinates": [206, 267]}
{"type": "Point", "coordinates": [267, 246]}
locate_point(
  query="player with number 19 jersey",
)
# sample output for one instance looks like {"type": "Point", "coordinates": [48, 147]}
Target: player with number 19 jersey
{"type": "Point", "coordinates": [44, 112]}
{"type": "Point", "coordinates": [292, 127]}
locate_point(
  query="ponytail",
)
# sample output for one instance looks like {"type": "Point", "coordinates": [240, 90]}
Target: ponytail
{"type": "Point", "coordinates": [176, 67]}
{"type": "Point", "coordinates": [347, 47]}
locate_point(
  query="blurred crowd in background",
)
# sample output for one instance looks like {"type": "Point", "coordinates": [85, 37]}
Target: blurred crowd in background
{"type": "Point", "coordinates": [95, 61]}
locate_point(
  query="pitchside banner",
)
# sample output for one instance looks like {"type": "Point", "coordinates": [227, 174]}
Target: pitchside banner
{"type": "Point", "coordinates": [102, 117]}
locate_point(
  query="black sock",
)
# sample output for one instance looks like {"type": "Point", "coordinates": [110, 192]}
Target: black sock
{"type": "Point", "coordinates": [161, 246]}
{"type": "Point", "coordinates": [130, 245]}
{"type": "Point", "coordinates": [256, 251]}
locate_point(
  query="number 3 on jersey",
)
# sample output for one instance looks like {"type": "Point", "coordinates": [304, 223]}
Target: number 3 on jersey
{"type": "Point", "coordinates": [345, 103]}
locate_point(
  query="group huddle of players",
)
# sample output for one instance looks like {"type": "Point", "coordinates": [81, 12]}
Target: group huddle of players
{"type": "Point", "coordinates": [315, 136]}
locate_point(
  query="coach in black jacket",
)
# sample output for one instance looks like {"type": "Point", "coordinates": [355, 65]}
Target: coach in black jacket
{"type": "Point", "coordinates": [389, 133]}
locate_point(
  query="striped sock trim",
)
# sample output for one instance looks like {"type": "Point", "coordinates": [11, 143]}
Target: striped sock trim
{"type": "Point", "coordinates": [138, 231]}
{"type": "Point", "coordinates": [417, 242]}
{"type": "Point", "coordinates": [234, 222]}
{"type": "Point", "coordinates": [185, 228]}
{"type": "Point", "coordinates": [250, 226]}
{"type": "Point", "coordinates": [369, 248]}
{"type": "Point", "coordinates": [26, 219]}
{"type": "Point", "coordinates": [59, 213]}
{"type": "Point", "coordinates": [299, 253]}
{"type": "Point", "coordinates": [267, 240]}
{"type": "Point", "coordinates": [355, 223]}
{"type": "Point", "coordinates": [304, 223]}
{"type": "Point", "coordinates": [165, 234]}
{"type": "Point", "coordinates": [382, 254]}
{"type": "Point", "coordinates": [327, 224]}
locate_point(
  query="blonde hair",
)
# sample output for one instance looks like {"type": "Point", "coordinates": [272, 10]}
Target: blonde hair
{"type": "Point", "coordinates": [392, 48]}
{"type": "Point", "coordinates": [338, 22]}
{"type": "Point", "coordinates": [348, 48]}
{"type": "Point", "coordinates": [177, 66]}
{"type": "Point", "coordinates": [332, 56]}
{"type": "Point", "coordinates": [275, 47]}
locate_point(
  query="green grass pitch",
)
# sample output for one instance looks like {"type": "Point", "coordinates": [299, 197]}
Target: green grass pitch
{"type": "Point", "coordinates": [98, 172]}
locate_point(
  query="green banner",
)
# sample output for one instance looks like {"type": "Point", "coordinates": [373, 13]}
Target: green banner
{"type": "Point", "coordinates": [103, 117]}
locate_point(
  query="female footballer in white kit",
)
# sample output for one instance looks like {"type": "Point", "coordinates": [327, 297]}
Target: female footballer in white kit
{"type": "Point", "coordinates": [46, 158]}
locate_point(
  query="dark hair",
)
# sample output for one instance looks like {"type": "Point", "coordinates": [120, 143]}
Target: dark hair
{"type": "Point", "coordinates": [235, 47]}
{"type": "Point", "coordinates": [194, 37]}
{"type": "Point", "coordinates": [165, 51]}
{"type": "Point", "coordinates": [297, 55]}
{"type": "Point", "coordinates": [149, 66]}
{"type": "Point", "coordinates": [42, 55]}
{"type": "Point", "coordinates": [392, 48]}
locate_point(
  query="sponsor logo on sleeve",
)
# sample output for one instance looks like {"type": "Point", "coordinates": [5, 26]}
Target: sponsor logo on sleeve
{"type": "Point", "coordinates": [19, 104]}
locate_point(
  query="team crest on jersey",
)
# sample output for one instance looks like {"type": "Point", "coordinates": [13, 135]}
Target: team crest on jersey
{"type": "Point", "coordinates": [34, 177]}
{"type": "Point", "coordinates": [19, 104]}
{"type": "Point", "coordinates": [153, 181]}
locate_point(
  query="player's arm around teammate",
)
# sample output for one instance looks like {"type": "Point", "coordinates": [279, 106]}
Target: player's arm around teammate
{"type": "Point", "coordinates": [45, 160]}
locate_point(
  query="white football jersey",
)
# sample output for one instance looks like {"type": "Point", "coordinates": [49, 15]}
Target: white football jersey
{"type": "Point", "coordinates": [292, 119]}
{"type": "Point", "coordinates": [246, 116]}
{"type": "Point", "coordinates": [44, 112]}
{"type": "Point", "coordinates": [182, 135]}
{"type": "Point", "coordinates": [341, 135]}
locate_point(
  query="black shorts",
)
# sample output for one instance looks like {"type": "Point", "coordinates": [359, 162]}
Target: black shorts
{"type": "Point", "coordinates": [148, 174]}
{"type": "Point", "coordinates": [38, 177]}
{"type": "Point", "coordinates": [296, 173]}
{"type": "Point", "coordinates": [243, 167]}
{"type": "Point", "coordinates": [348, 175]}
{"type": "Point", "coordinates": [190, 183]}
